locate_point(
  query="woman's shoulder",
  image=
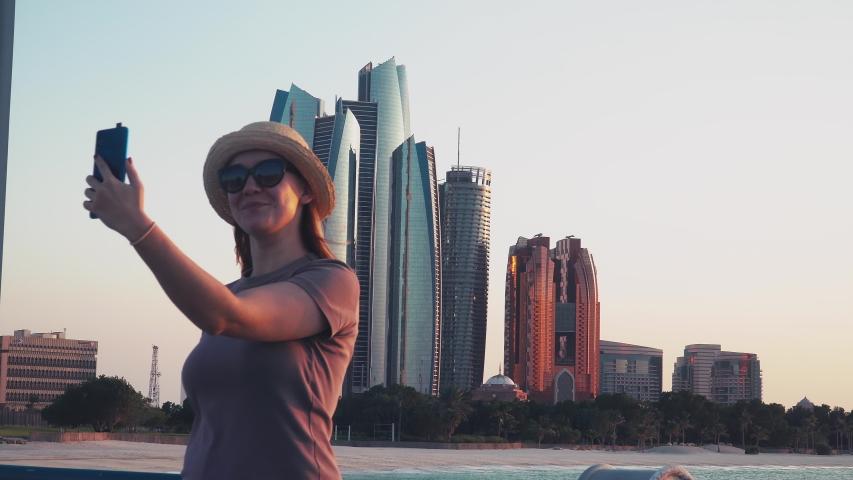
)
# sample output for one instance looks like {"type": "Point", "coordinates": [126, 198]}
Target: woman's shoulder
{"type": "Point", "coordinates": [331, 270]}
{"type": "Point", "coordinates": [322, 269]}
{"type": "Point", "coordinates": [331, 265]}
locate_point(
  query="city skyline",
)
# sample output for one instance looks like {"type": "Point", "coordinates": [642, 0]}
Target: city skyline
{"type": "Point", "coordinates": [701, 150]}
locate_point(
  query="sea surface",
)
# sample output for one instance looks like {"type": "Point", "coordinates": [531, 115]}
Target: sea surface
{"type": "Point", "coordinates": [572, 473]}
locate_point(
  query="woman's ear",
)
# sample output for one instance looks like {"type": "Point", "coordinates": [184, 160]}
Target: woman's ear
{"type": "Point", "coordinates": [306, 196]}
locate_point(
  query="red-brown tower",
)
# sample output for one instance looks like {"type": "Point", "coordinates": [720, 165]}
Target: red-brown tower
{"type": "Point", "coordinates": [552, 320]}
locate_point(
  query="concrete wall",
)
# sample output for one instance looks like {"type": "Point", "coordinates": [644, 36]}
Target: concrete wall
{"type": "Point", "coordinates": [102, 436]}
{"type": "Point", "coordinates": [467, 446]}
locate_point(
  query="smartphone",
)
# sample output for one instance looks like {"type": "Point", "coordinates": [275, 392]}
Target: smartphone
{"type": "Point", "coordinates": [111, 145]}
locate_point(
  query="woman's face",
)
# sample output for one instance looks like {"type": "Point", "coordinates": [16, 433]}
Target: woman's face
{"type": "Point", "coordinates": [258, 210]}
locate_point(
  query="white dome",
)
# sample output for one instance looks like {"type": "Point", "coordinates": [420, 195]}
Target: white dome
{"type": "Point", "coordinates": [500, 380]}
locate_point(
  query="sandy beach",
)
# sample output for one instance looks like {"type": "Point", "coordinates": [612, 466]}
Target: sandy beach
{"type": "Point", "coordinates": [145, 457]}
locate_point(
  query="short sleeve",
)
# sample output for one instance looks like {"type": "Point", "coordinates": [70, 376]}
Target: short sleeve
{"type": "Point", "coordinates": [334, 288]}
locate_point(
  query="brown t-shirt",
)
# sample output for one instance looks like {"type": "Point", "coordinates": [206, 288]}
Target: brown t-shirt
{"type": "Point", "coordinates": [264, 409]}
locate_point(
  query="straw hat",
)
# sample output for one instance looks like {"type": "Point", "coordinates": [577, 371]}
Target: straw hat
{"type": "Point", "coordinates": [276, 138]}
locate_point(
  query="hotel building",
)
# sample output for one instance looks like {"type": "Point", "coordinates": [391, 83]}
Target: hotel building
{"type": "Point", "coordinates": [552, 320]}
{"type": "Point", "coordinates": [42, 365]}
{"type": "Point", "coordinates": [722, 377]}
{"type": "Point", "coordinates": [631, 369]}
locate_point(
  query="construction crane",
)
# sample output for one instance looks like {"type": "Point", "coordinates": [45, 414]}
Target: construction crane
{"type": "Point", "coordinates": [154, 383]}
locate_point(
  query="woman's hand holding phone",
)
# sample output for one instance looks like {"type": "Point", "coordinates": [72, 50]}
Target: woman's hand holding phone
{"type": "Point", "coordinates": [119, 205]}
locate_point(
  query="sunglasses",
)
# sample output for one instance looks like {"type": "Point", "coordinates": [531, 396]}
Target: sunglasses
{"type": "Point", "coordinates": [267, 173]}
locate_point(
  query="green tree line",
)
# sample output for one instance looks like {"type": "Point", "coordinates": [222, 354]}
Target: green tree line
{"type": "Point", "coordinates": [109, 404]}
{"type": "Point", "coordinates": [617, 419]}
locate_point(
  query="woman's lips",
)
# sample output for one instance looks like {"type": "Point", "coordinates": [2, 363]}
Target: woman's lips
{"type": "Point", "coordinates": [253, 205]}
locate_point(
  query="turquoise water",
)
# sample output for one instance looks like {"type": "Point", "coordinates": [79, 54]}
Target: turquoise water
{"type": "Point", "coordinates": [572, 473]}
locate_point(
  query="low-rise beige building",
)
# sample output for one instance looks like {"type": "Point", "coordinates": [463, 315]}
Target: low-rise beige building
{"type": "Point", "coordinates": [42, 365]}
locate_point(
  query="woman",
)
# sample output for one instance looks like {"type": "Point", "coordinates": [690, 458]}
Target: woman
{"type": "Point", "coordinates": [265, 378]}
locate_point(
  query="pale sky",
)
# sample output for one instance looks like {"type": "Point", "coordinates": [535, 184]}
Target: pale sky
{"type": "Point", "coordinates": [702, 151]}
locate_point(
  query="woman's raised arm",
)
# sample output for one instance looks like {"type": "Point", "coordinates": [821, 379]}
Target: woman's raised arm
{"type": "Point", "coordinates": [282, 311]}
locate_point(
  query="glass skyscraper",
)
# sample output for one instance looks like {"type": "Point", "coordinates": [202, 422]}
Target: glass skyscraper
{"type": "Point", "coordinates": [358, 379]}
{"type": "Point", "coordinates": [337, 140]}
{"type": "Point", "coordinates": [465, 231]}
{"type": "Point", "coordinates": [414, 260]}
{"type": "Point", "coordinates": [297, 109]}
{"type": "Point", "coordinates": [381, 84]}
{"type": "Point", "coordinates": [386, 223]}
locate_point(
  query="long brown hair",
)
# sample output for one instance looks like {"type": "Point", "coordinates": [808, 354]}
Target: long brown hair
{"type": "Point", "coordinates": [310, 232]}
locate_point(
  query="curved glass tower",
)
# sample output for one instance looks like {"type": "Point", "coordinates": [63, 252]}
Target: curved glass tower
{"type": "Point", "coordinates": [358, 378]}
{"type": "Point", "coordinates": [414, 292]}
{"type": "Point", "coordinates": [382, 85]}
{"type": "Point", "coordinates": [466, 233]}
{"type": "Point", "coordinates": [297, 109]}
{"type": "Point", "coordinates": [337, 140]}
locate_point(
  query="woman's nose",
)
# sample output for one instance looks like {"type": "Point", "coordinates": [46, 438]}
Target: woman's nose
{"type": "Point", "coordinates": [251, 186]}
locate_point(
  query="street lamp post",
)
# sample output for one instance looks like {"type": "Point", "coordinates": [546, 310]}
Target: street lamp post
{"type": "Point", "coordinates": [7, 37]}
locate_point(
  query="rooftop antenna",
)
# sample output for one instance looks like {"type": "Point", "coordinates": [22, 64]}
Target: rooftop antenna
{"type": "Point", "coordinates": [154, 382]}
{"type": "Point", "coordinates": [458, 141]}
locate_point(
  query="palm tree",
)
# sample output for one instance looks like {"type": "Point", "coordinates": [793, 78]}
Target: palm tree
{"type": "Point", "coordinates": [839, 428]}
{"type": "Point", "coordinates": [646, 432]}
{"type": "Point", "coordinates": [672, 429]}
{"type": "Point", "coordinates": [759, 434]}
{"type": "Point", "coordinates": [544, 427]}
{"type": "Point", "coordinates": [745, 421]}
{"type": "Point", "coordinates": [600, 427]}
{"type": "Point", "coordinates": [849, 431]}
{"type": "Point", "coordinates": [563, 429]}
{"type": "Point", "coordinates": [502, 412]}
{"type": "Point", "coordinates": [798, 436]}
{"type": "Point", "coordinates": [593, 434]}
{"type": "Point", "coordinates": [613, 419]}
{"type": "Point", "coordinates": [652, 418]}
{"type": "Point", "coordinates": [718, 430]}
{"type": "Point", "coordinates": [454, 407]}
{"type": "Point", "coordinates": [809, 423]}
{"type": "Point", "coordinates": [379, 408]}
{"type": "Point", "coordinates": [684, 423]}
